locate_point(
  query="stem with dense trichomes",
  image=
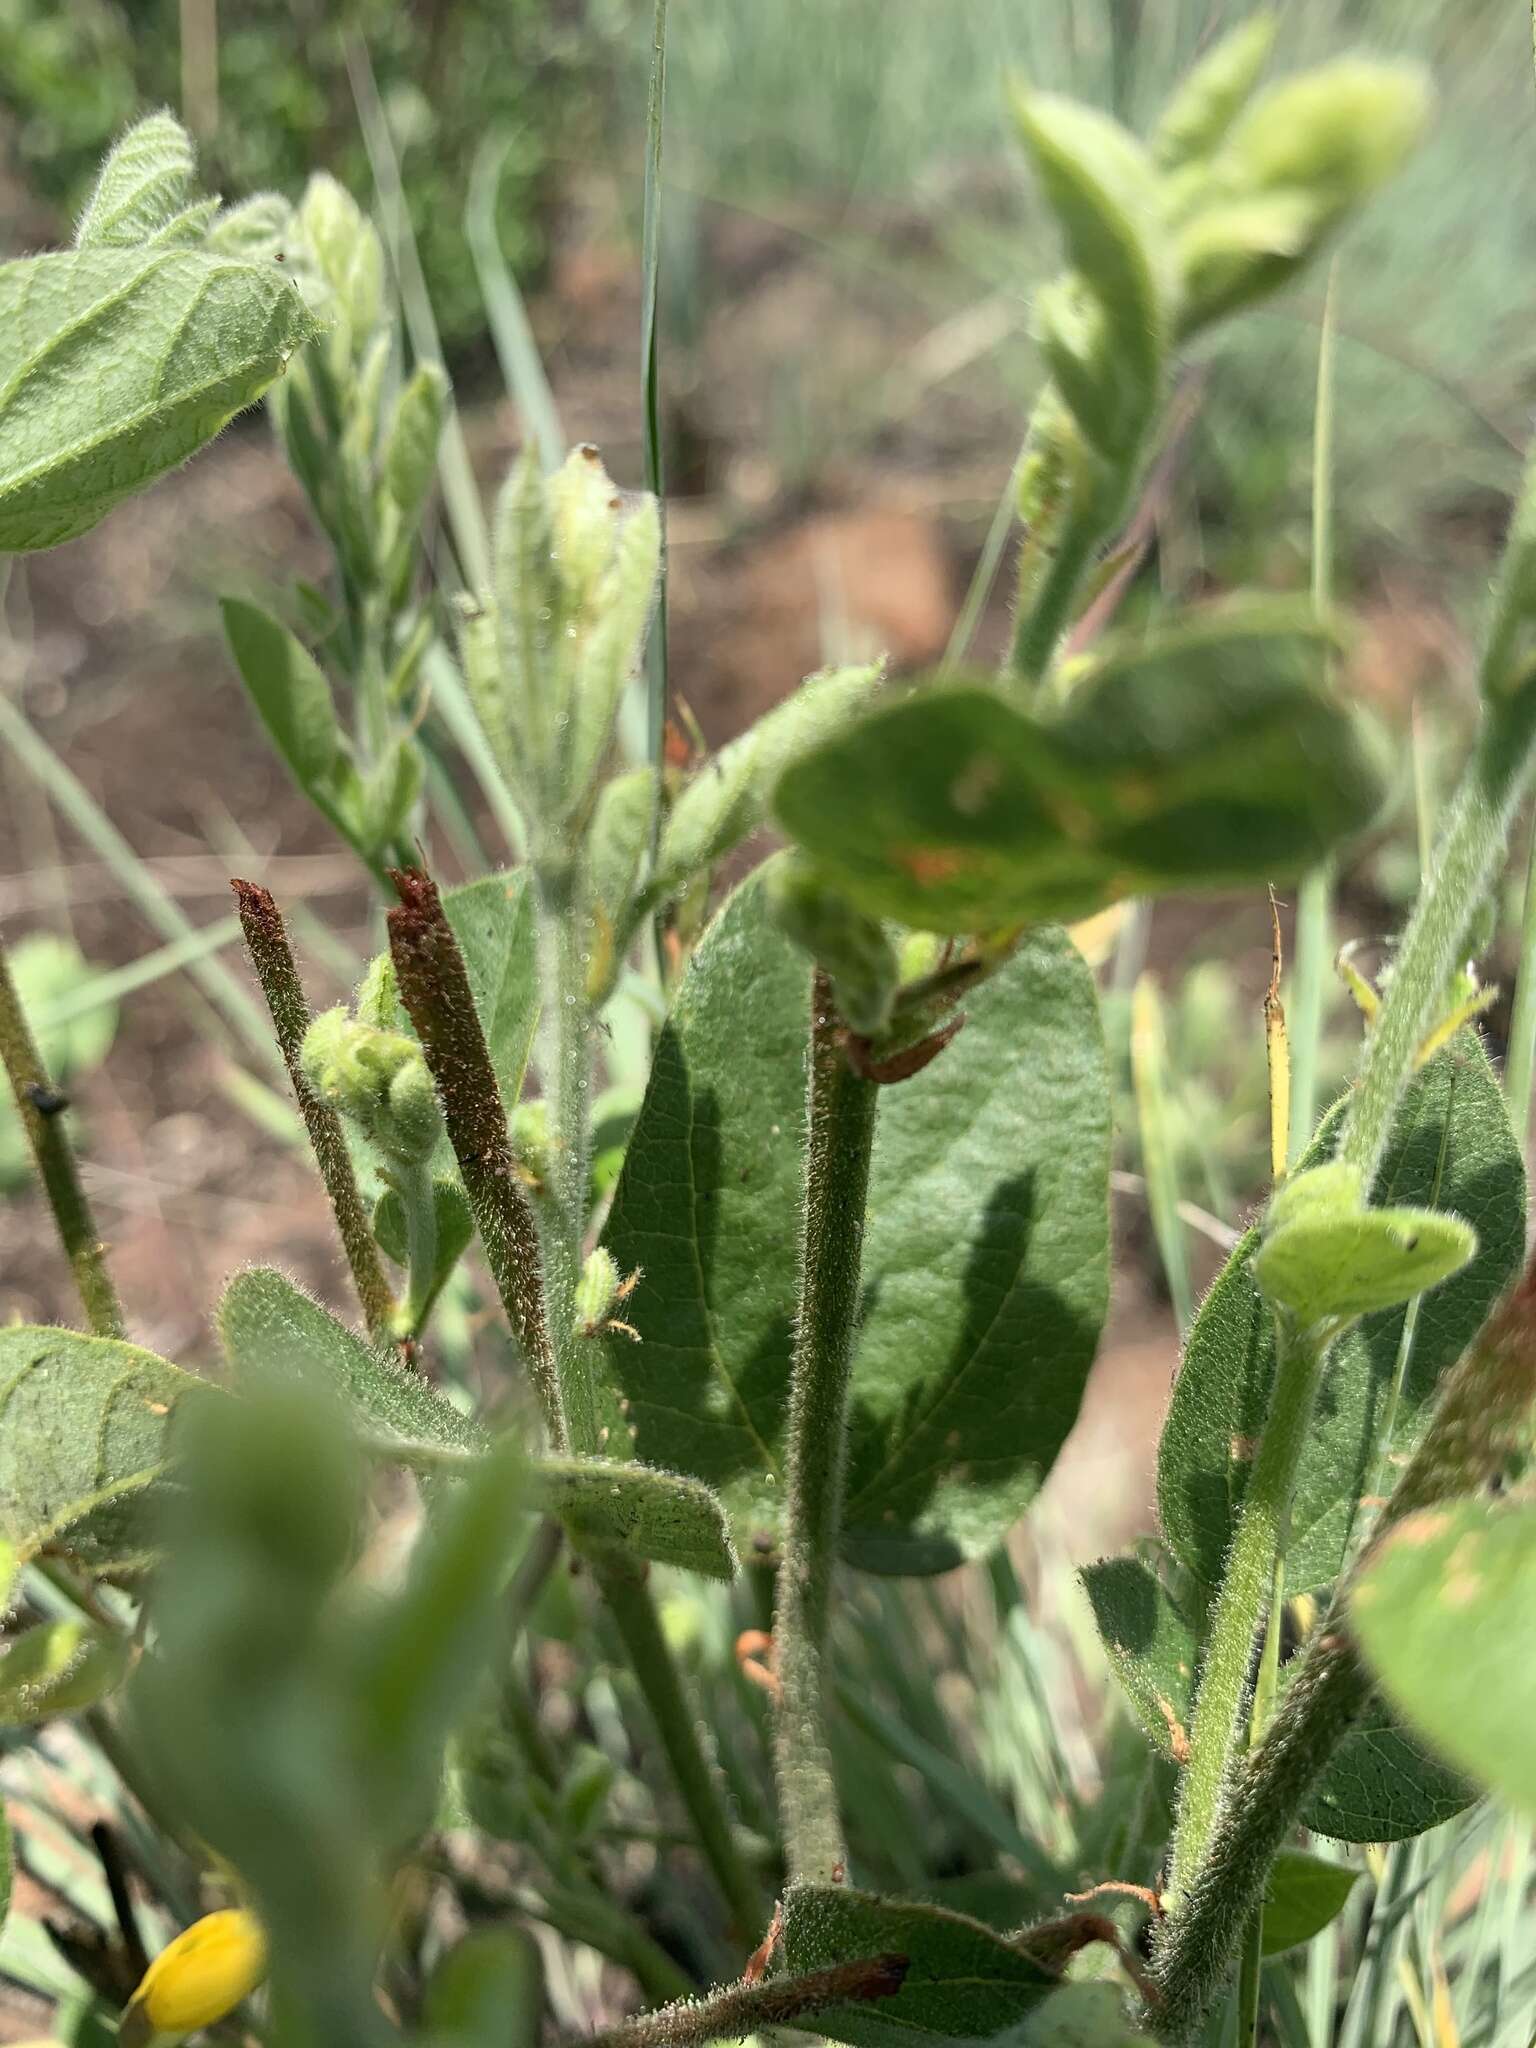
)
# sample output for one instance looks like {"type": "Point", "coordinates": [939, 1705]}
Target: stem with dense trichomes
{"type": "Point", "coordinates": [434, 987]}
{"type": "Point", "coordinates": [1482, 1418]}
{"type": "Point", "coordinates": [1216, 1734]}
{"type": "Point", "coordinates": [41, 1107]}
{"type": "Point", "coordinates": [745, 2009]}
{"type": "Point", "coordinates": [276, 969]}
{"type": "Point", "coordinates": [566, 1032]}
{"type": "Point", "coordinates": [840, 1130]}
{"type": "Point", "coordinates": [435, 990]}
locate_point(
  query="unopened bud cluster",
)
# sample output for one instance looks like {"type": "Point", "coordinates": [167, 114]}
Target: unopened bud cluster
{"type": "Point", "coordinates": [378, 1080]}
{"type": "Point", "coordinates": [548, 651]}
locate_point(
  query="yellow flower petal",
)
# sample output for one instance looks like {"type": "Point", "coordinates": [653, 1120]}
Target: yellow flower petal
{"type": "Point", "coordinates": [203, 1974]}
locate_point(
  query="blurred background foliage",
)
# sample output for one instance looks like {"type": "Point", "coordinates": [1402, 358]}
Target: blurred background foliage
{"type": "Point", "coordinates": [264, 86]}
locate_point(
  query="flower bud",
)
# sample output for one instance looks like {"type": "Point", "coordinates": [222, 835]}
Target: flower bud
{"type": "Point", "coordinates": [410, 445]}
{"type": "Point", "coordinates": [1303, 157]}
{"type": "Point", "coordinates": [1211, 98]}
{"type": "Point", "coordinates": [347, 255]}
{"type": "Point", "coordinates": [199, 1978]}
{"type": "Point", "coordinates": [377, 1079]}
{"type": "Point", "coordinates": [575, 579]}
{"type": "Point", "coordinates": [852, 948]}
{"type": "Point", "coordinates": [597, 1290]}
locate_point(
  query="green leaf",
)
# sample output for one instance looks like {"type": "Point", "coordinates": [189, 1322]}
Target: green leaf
{"type": "Point", "coordinates": [1152, 1644]}
{"type": "Point", "coordinates": [985, 1256]}
{"type": "Point", "coordinates": [1303, 1894]}
{"type": "Point", "coordinates": [121, 364]}
{"type": "Point", "coordinates": [1103, 190]}
{"type": "Point", "coordinates": [1451, 1150]}
{"type": "Point", "coordinates": [728, 797]}
{"type": "Point", "coordinates": [455, 1229]}
{"type": "Point", "coordinates": [145, 182]}
{"type": "Point", "coordinates": [291, 696]}
{"type": "Point", "coordinates": [492, 920]}
{"type": "Point", "coordinates": [487, 1991]}
{"type": "Point", "coordinates": [422, 1658]}
{"type": "Point", "coordinates": [60, 1667]}
{"type": "Point", "coordinates": [83, 1424]}
{"type": "Point", "coordinates": [1381, 1785]}
{"type": "Point", "coordinates": [657, 1515]}
{"type": "Point", "coordinates": [410, 446]}
{"type": "Point", "coordinates": [1323, 1254]}
{"type": "Point", "coordinates": [1210, 757]}
{"type": "Point", "coordinates": [962, 1984]}
{"type": "Point", "coordinates": [271, 1330]}
{"type": "Point", "coordinates": [1084, 2016]}
{"type": "Point", "coordinates": [1210, 99]}
{"type": "Point", "coordinates": [1443, 1612]}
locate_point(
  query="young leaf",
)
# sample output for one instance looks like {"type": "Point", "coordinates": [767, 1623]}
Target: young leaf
{"type": "Point", "coordinates": [1153, 1647]}
{"type": "Point", "coordinates": [1207, 758]}
{"type": "Point", "coordinates": [728, 797]}
{"type": "Point", "coordinates": [121, 363]}
{"type": "Point", "coordinates": [963, 1983]}
{"type": "Point", "coordinates": [1324, 1254]}
{"type": "Point", "coordinates": [60, 1667]}
{"type": "Point", "coordinates": [985, 1258]}
{"type": "Point", "coordinates": [455, 1229]}
{"type": "Point", "coordinates": [291, 695]}
{"type": "Point", "coordinates": [1083, 2016]}
{"type": "Point", "coordinates": [145, 182]}
{"type": "Point", "coordinates": [1214, 94]}
{"type": "Point", "coordinates": [83, 1424]}
{"type": "Point", "coordinates": [1452, 1150]}
{"type": "Point", "coordinates": [1103, 190]}
{"type": "Point", "coordinates": [1304, 1893]}
{"type": "Point", "coordinates": [269, 1329]}
{"type": "Point", "coordinates": [492, 920]}
{"type": "Point", "coordinates": [655, 1515]}
{"type": "Point", "coordinates": [1443, 1612]}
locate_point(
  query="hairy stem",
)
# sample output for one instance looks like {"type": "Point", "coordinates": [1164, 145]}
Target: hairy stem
{"type": "Point", "coordinates": [566, 1028]}
{"type": "Point", "coordinates": [1482, 1417]}
{"type": "Point", "coordinates": [41, 1109]}
{"type": "Point", "coordinates": [1216, 1736]}
{"type": "Point", "coordinates": [434, 988]}
{"type": "Point", "coordinates": [277, 971]}
{"type": "Point", "coordinates": [634, 1612]}
{"type": "Point", "coordinates": [743, 2009]}
{"type": "Point", "coordinates": [413, 1184]}
{"type": "Point", "coordinates": [840, 1130]}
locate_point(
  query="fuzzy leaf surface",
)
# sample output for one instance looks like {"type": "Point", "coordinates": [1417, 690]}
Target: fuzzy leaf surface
{"type": "Point", "coordinates": [985, 1257]}
{"type": "Point", "coordinates": [1153, 1646]}
{"type": "Point", "coordinates": [1209, 758]}
{"type": "Point", "coordinates": [83, 1424]}
{"type": "Point", "coordinates": [963, 1983]}
{"type": "Point", "coordinates": [657, 1515]}
{"type": "Point", "coordinates": [120, 364]}
{"type": "Point", "coordinates": [60, 1667]}
{"type": "Point", "coordinates": [269, 1328]}
{"type": "Point", "coordinates": [1452, 1149]}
